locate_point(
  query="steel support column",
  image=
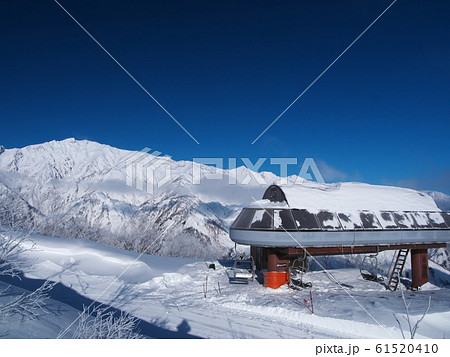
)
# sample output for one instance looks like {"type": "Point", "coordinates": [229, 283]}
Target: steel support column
{"type": "Point", "coordinates": [419, 267]}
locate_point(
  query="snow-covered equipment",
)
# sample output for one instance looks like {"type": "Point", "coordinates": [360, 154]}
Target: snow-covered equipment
{"type": "Point", "coordinates": [369, 268]}
{"type": "Point", "coordinates": [266, 222]}
{"type": "Point", "coordinates": [347, 218]}
{"type": "Point", "coordinates": [296, 273]}
{"type": "Point", "coordinates": [243, 271]}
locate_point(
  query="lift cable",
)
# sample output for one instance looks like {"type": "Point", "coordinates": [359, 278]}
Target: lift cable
{"type": "Point", "coordinates": [128, 73]}
{"type": "Point", "coordinates": [323, 72]}
{"type": "Point", "coordinates": [328, 273]}
{"type": "Point", "coordinates": [116, 279]}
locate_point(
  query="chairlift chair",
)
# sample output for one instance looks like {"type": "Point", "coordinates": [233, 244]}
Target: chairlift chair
{"type": "Point", "coordinates": [369, 268]}
{"type": "Point", "coordinates": [296, 271]}
{"type": "Point", "coordinates": [243, 271]}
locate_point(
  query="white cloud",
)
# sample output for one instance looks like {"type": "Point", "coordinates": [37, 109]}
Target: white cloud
{"type": "Point", "coordinates": [330, 173]}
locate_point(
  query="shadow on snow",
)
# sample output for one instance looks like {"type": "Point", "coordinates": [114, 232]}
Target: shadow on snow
{"type": "Point", "coordinates": [70, 297]}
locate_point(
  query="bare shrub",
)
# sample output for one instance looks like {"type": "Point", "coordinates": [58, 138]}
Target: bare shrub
{"type": "Point", "coordinates": [28, 305]}
{"type": "Point", "coordinates": [99, 323]}
{"type": "Point", "coordinates": [411, 326]}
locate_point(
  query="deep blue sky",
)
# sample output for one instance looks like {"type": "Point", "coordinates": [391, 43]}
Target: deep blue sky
{"type": "Point", "coordinates": [226, 69]}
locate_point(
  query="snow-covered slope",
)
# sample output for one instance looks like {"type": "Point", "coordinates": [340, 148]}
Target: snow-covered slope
{"type": "Point", "coordinates": [74, 188]}
{"type": "Point", "coordinates": [51, 320]}
{"type": "Point", "coordinates": [170, 295]}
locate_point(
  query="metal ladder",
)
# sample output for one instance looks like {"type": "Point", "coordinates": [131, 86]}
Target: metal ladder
{"type": "Point", "coordinates": [397, 270]}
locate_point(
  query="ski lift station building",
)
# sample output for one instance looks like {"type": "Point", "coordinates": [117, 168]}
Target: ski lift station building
{"type": "Point", "coordinates": [350, 218]}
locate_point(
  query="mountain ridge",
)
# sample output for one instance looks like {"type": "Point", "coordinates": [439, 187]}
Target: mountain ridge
{"type": "Point", "coordinates": [76, 188]}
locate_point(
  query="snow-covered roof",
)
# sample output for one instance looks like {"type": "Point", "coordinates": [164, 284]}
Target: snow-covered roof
{"type": "Point", "coordinates": [351, 196]}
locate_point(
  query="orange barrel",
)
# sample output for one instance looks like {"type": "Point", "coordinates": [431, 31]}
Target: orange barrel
{"type": "Point", "coordinates": [274, 279]}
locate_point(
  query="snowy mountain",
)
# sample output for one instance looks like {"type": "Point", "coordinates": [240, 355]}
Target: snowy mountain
{"type": "Point", "coordinates": [75, 189]}
{"type": "Point", "coordinates": [78, 189]}
{"type": "Point", "coordinates": [442, 200]}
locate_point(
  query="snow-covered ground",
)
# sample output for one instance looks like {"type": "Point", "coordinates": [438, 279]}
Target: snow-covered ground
{"type": "Point", "coordinates": [54, 319]}
{"type": "Point", "coordinates": [168, 295]}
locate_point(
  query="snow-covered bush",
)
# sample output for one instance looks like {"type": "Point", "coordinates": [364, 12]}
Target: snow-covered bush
{"type": "Point", "coordinates": [11, 245]}
{"type": "Point", "coordinates": [27, 305]}
{"type": "Point", "coordinates": [99, 323]}
{"type": "Point", "coordinates": [16, 227]}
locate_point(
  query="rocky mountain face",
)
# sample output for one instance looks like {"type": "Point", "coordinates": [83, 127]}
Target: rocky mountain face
{"type": "Point", "coordinates": [83, 189]}
{"type": "Point", "coordinates": [76, 189]}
